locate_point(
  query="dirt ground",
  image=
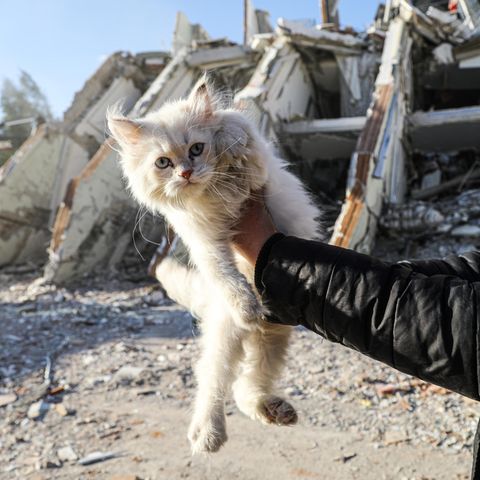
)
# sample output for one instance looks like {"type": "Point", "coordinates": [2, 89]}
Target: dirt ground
{"type": "Point", "coordinates": [120, 382]}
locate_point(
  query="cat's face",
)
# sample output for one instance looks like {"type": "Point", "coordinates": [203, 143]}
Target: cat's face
{"type": "Point", "coordinates": [185, 150]}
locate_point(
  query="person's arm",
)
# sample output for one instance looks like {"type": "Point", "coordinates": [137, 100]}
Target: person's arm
{"type": "Point", "coordinates": [465, 266]}
{"type": "Point", "coordinates": [425, 325]}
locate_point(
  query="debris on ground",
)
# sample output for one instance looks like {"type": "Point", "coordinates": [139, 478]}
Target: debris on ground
{"type": "Point", "coordinates": [96, 363]}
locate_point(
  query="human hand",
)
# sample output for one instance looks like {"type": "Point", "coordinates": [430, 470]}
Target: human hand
{"type": "Point", "coordinates": [254, 228]}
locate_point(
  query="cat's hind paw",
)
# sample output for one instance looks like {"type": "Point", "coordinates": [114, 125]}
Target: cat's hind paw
{"type": "Point", "coordinates": [207, 436]}
{"type": "Point", "coordinates": [268, 409]}
{"type": "Point", "coordinates": [279, 412]}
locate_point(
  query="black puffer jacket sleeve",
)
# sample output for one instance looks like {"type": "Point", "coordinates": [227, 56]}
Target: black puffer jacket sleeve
{"type": "Point", "coordinates": [419, 317]}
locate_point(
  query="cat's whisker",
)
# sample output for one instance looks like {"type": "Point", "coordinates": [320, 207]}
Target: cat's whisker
{"type": "Point", "coordinates": [226, 149]}
{"type": "Point", "coordinates": [242, 190]}
{"type": "Point", "coordinates": [228, 204]}
{"type": "Point", "coordinates": [244, 169]}
{"type": "Point", "coordinates": [143, 236]}
{"type": "Point", "coordinates": [137, 221]}
{"type": "Point", "coordinates": [233, 188]}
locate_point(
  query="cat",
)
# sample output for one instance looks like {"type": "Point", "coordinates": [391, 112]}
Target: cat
{"type": "Point", "coordinates": [196, 161]}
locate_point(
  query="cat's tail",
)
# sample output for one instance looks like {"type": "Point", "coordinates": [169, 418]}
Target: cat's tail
{"type": "Point", "coordinates": [183, 285]}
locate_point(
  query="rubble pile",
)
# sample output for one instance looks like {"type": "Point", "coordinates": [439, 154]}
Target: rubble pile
{"type": "Point", "coordinates": [81, 366]}
{"type": "Point", "coordinates": [92, 373]}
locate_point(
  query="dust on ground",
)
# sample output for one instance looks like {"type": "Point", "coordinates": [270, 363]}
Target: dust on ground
{"type": "Point", "coordinates": [104, 367]}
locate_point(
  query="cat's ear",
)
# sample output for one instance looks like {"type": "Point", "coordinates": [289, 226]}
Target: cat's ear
{"type": "Point", "coordinates": [125, 131]}
{"type": "Point", "coordinates": [201, 99]}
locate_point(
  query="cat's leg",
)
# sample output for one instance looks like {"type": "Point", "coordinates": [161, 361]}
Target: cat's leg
{"type": "Point", "coordinates": [183, 285]}
{"type": "Point", "coordinates": [265, 352]}
{"type": "Point", "coordinates": [221, 349]}
{"type": "Point", "coordinates": [216, 262]}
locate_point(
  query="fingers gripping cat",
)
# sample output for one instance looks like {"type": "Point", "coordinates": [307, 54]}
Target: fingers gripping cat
{"type": "Point", "coordinates": [196, 161]}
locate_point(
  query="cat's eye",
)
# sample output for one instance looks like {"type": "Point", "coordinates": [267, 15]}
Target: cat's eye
{"type": "Point", "coordinates": [196, 149]}
{"type": "Point", "coordinates": [163, 162]}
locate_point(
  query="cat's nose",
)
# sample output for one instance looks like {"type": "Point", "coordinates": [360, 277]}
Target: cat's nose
{"type": "Point", "coordinates": [186, 173]}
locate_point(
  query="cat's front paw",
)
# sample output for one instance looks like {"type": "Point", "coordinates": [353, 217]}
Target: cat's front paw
{"type": "Point", "coordinates": [207, 435]}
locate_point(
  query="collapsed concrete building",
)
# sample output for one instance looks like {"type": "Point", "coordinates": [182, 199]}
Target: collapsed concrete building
{"type": "Point", "coordinates": [409, 113]}
{"type": "Point", "coordinates": [33, 183]}
{"type": "Point", "coordinates": [349, 110]}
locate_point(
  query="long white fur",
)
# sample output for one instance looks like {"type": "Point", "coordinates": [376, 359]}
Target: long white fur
{"type": "Point", "coordinates": [237, 344]}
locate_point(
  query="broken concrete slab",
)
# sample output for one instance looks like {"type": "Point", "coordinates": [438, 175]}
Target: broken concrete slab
{"type": "Point", "coordinates": [82, 236]}
{"type": "Point", "coordinates": [330, 14]}
{"type": "Point", "coordinates": [321, 38]}
{"type": "Point", "coordinates": [445, 130]}
{"type": "Point", "coordinates": [255, 22]}
{"type": "Point", "coordinates": [186, 33]}
{"type": "Point", "coordinates": [322, 139]}
{"type": "Point", "coordinates": [279, 90]}
{"type": "Point", "coordinates": [25, 208]}
{"type": "Point", "coordinates": [357, 78]}
{"type": "Point", "coordinates": [212, 58]}
{"type": "Point", "coordinates": [468, 54]}
{"type": "Point", "coordinates": [377, 164]}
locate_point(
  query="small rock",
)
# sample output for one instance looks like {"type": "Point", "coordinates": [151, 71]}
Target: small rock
{"type": "Point", "coordinates": [128, 374]}
{"type": "Point", "coordinates": [345, 458]}
{"type": "Point", "coordinates": [88, 358]}
{"type": "Point", "coordinates": [49, 462]}
{"type": "Point", "coordinates": [395, 437]}
{"type": "Point", "coordinates": [96, 457]}
{"type": "Point", "coordinates": [466, 231]}
{"type": "Point", "coordinates": [38, 409]}
{"type": "Point", "coordinates": [67, 454]}
{"type": "Point", "coordinates": [135, 323]}
{"type": "Point", "coordinates": [157, 297]}
{"type": "Point", "coordinates": [7, 398]}
{"type": "Point", "coordinates": [145, 391]}
{"type": "Point", "coordinates": [294, 391]}
{"type": "Point", "coordinates": [365, 402]}
{"type": "Point", "coordinates": [12, 338]}
{"type": "Point", "coordinates": [391, 389]}
{"type": "Point", "coordinates": [62, 410]}
{"type": "Point", "coordinates": [96, 381]}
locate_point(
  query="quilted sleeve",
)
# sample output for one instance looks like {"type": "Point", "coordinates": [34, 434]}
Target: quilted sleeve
{"type": "Point", "coordinates": [419, 318]}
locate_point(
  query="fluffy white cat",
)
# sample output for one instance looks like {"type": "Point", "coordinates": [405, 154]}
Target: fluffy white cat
{"type": "Point", "coordinates": [196, 161]}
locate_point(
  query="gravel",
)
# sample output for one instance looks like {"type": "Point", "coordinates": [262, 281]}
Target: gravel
{"type": "Point", "coordinates": [110, 340]}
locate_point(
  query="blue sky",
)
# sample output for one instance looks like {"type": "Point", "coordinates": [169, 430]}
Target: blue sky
{"type": "Point", "coordinates": [61, 42]}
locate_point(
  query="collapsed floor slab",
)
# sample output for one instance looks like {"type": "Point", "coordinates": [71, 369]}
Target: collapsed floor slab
{"type": "Point", "coordinates": [323, 139]}
{"type": "Point", "coordinates": [445, 130]}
